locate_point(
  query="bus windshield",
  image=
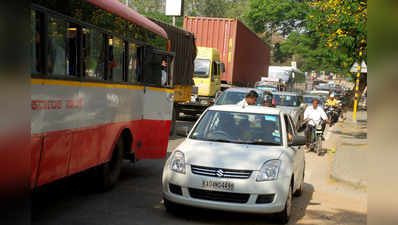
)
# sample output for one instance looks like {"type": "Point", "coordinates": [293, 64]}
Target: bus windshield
{"type": "Point", "coordinates": [202, 68]}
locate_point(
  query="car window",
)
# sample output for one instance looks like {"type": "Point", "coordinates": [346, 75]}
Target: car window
{"type": "Point", "coordinates": [235, 127]}
{"type": "Point", "coordinates": [286, 100]}
{"type": "Point", "coordinates": [232, 98]}
{"type": "Point", "coordinates": [289, 126]}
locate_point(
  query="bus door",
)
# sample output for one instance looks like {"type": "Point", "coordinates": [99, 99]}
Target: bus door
{"type": "Point", "coordinates": [157, 104]}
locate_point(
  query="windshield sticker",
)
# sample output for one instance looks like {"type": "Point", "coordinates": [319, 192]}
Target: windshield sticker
{"type": "Point", "coordinates": [276, 134]}
{"type": "Point", "coordinates": [270, 118]}
{"type": "Point", "coordinates": [276, 139]}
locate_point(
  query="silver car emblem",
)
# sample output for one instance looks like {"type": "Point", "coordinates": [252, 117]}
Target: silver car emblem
{"type": "Point", "coordinates": [220, 173]}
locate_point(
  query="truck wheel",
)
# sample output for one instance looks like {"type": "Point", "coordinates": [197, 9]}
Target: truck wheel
{"type": "Point", "coordinates": [109, 172]}
{"type": "Point", "coordinates": [284, 216]}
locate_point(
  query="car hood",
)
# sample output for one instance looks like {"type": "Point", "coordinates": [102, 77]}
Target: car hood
{"type": "Point", "coordinates": [228, 155]}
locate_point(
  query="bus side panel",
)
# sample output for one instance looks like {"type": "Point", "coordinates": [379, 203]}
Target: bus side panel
{"type": "Point", "coordinates": [154, 137]}
{"type": "Point", "coordinates": [35, 147]}
{"type": "Point", "coordinates": [54, 157]}
{"type": "Point", "coordinates": [87, 147]}
{"type": "Point", "coordinates": [154, 129]}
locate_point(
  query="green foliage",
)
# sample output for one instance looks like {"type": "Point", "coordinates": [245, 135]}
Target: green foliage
{"type": "Point", "coordinates": [322, 35]}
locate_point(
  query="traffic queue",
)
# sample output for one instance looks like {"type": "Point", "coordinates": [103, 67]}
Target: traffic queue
{"type": "Point", "coordinates": [244, 153]}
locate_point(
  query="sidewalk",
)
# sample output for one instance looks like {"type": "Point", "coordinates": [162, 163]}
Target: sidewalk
{"type": "Point", "coordinates": [350, 160]}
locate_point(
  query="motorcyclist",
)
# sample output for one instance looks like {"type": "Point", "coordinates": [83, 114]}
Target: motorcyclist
{"type": "Point", "coordinates": [314, 114]}
{"type": "Point", "coordinates": [332, 101]}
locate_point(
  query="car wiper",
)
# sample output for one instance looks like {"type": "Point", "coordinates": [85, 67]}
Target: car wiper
{"type": "Point", "coordinates": [219, 140]}
{"type": "Point", "coordinates": [260, 143]}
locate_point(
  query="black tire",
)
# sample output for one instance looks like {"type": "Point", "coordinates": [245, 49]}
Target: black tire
{"type": "Point", "coordinates": [284, 216]}
{"type": "Point", "coordinates": [109, 172]}
{"type": "Point", "coordinates": [319, 146]}
{"type": "Point", "coordinates": [171, 207]}
{"type": "Point", "coordinates": [300, 190]}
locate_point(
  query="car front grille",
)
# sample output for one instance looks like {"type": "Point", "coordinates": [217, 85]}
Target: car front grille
{"type": "Point", "coordinates": [222, 173]}
{"type": "Point", "coordinates": [218, 196]}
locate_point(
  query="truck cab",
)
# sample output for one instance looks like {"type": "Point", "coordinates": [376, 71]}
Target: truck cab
{"type": "Point", "coordinates": [207, 74]}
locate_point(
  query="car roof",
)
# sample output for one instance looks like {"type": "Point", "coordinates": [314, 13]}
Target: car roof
{"type": "Point", "coordinates": [243, 90]}
{"type": "Point", "coordinates": [285, 93]}
{"type": "Point", "coordinates": [247, 109]}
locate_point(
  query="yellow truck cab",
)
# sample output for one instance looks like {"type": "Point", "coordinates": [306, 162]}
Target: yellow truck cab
{"type": "Point", "coordinates": [207, 73]}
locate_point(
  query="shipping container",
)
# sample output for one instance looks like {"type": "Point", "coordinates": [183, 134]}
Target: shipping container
{"type": "Point", "coordinates": [245, 55]}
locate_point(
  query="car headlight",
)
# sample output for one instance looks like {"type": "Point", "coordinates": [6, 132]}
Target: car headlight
{"type": "Point", "coordinates": [269, 171]}
{"type": "Point", "coordinates": [178, 162]}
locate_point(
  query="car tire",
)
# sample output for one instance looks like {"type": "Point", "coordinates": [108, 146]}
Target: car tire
{"type": "Point", "coordinates": [284, 216]}
{"type": "Point", "coordinates": [109, 172]}
{"type": "Point", "coordinates": [171, 207]}
{"type": "Point", "coordinates": [300, 190]}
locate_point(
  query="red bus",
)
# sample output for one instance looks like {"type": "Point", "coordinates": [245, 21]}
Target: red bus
{"type": "Point", "coordinates": [98, 95]}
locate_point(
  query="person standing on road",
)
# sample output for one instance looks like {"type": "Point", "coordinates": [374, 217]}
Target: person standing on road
{"type": "Point", "coordinates": [250, 99]}
{"type": "Point", "coordinates": [314, 114]}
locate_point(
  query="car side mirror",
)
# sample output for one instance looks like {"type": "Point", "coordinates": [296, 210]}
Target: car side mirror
{"type": "Point", "coordinates": [303, 105]}
{"type": "Point", "coordinates": [298, 141]}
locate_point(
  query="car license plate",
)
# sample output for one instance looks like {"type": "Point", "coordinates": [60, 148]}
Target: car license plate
{"type": "Point", "coordinates": [218, 185]}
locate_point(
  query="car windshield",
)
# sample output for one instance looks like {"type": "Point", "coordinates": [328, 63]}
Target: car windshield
{"type": "Point", "coordinates": [286, 100]}
{"type": "Point", "coordinates": [232, 98]}
{"type": "Point", "coordinates": [202, 68]}
{"type": "Point", "coordinates": [235, 127]}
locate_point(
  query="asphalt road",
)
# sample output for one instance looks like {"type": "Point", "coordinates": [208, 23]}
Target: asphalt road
{"type": "Point", "coordinates": [137, 200]}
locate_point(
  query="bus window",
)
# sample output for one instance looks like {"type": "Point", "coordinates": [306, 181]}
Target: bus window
{"type": "Point", "coordinates": [72, 50]}
{"type": "Point", "coordinates": [116, 58]}
{"type": "Point", "coordinates": [56, 47]}
{"type": "Point", "coordinates": [132, 63]}
{"type": "Point", "coordinates": [93, 54]}
{"type": "Point", "coordinates": [36, 43]}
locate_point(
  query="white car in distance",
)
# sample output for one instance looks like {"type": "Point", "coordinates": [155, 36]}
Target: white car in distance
{"type": "Point", "coordinates": [241, 159]}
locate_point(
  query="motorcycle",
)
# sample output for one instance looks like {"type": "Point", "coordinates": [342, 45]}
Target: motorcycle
{"type": "Point", "coordinates": [333, 114]}
{"type": "Point", "coordinates": [316, 137]}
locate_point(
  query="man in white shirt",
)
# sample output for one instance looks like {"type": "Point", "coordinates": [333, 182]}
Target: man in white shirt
{"type": "Point", "coordinates": [250, 99]}
{"type": "Point", "coordinates": [314, 114]}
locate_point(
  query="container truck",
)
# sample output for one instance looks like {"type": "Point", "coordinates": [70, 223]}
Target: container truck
{"type": "Point", "coordinates": [245, 55]}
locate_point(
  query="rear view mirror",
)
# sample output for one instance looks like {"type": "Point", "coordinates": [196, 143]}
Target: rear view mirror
{"type": "Point", "coordinates": [299, 140]}
{"type": "Point", "coordinates": [303, 105]}
{"type": "Point", "coordinates": [223, 67]}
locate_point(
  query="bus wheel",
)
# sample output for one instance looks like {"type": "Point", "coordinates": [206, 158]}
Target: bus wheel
{"type": "Point", "coordinates": [110, 171]}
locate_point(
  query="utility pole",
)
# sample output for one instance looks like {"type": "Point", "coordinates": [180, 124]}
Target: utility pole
{"type": "Point", "coordinates": [174, 21]}
{"type": "Point", "coordinates": [356, 97]}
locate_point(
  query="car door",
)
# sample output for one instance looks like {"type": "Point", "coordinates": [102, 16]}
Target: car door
{"type": "Point", "coordinates": [298, 153]}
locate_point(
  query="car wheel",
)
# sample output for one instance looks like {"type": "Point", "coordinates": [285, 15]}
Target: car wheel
{"type": "Point", "coordinates": [284, 216]}
{"type": "Point", "coordinates": [300, 190]}
{"type": "Point", "coordinates": [171, 207]}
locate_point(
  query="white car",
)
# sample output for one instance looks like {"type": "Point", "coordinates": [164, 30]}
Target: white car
{"type": "Point", "coordinates": [237, 159]}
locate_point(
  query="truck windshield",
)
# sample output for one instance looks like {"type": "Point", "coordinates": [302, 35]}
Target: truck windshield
{"type": "Point", "coordinates": [241, 128]}
{"type": "Point", "coordinates": [202, 68]}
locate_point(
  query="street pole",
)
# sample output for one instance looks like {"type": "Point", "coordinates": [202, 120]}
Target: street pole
{"type": "Point", "coordinates": [356, 97]}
